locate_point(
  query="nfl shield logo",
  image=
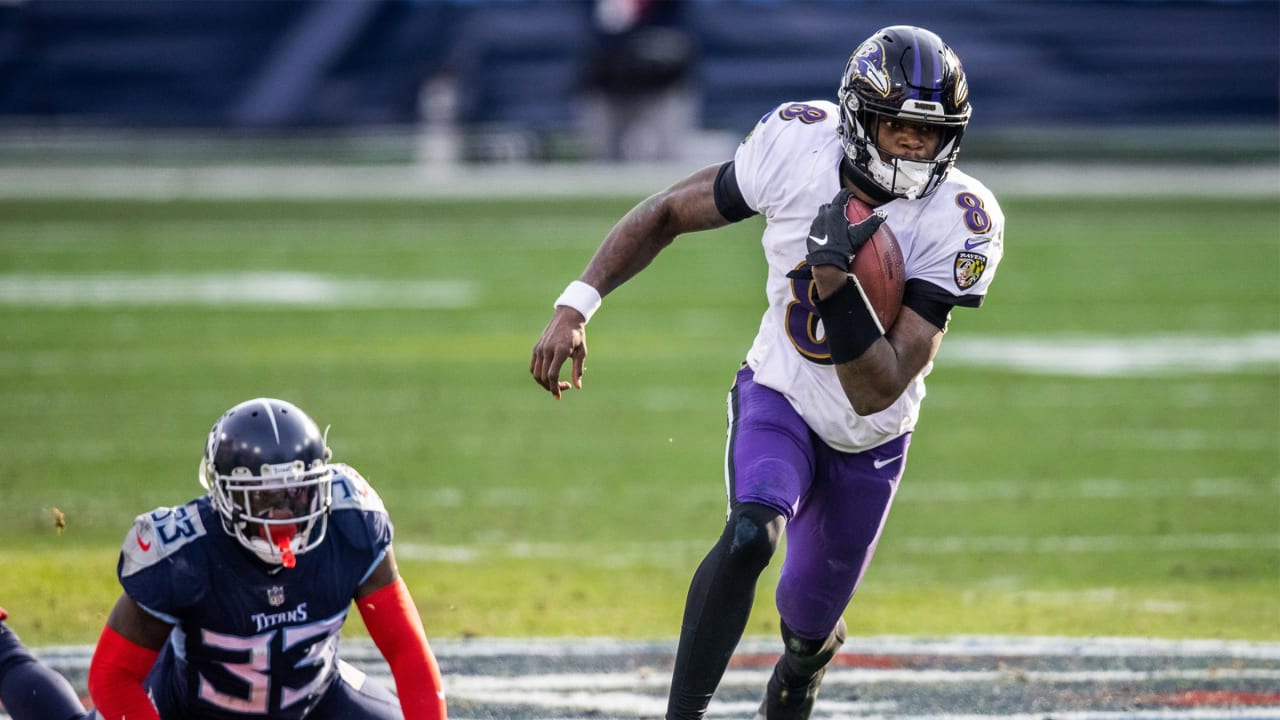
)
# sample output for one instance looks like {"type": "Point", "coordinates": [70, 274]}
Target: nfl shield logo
{"type": "Point", "coordinates": [275, 595]}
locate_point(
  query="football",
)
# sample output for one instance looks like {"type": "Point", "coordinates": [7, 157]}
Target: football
{"type": "Point", "coordinates": [879, 266]}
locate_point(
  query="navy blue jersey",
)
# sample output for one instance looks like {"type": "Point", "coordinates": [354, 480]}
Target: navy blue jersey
{"type": "Point", "coordinates": [251, 639]}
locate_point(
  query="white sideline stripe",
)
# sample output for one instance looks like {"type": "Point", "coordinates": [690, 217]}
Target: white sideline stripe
{"type": "Point", "coordinates": [1066, 544]}
{"type": "Point", "coordinates": [950, 646]}
{"type": "Point", "coordinates": [608, 692]}
{"type": "Point", "coordinates": [622, 704]}
{"type": "Point", "coordinates": [614, 692]}
{"type": "Point", "coordinates": [862, 677]}
{"type": "Point", "coordinates": [1189, 714]}
{"type": "Point", "coordinates": [282, 289]}
{"type": "Point", "coordinates": [1114, 357]}
{"type": "Point", "coordinates": [873, 711]}
{"type": "Point", "coordinates": [623, 694]}
{"type": "Point", "coordinates": [432, 181]}
{"type": "Point", "coordinates": [485, 685]}
{"type": "Point", "coordinates": [358, 649]}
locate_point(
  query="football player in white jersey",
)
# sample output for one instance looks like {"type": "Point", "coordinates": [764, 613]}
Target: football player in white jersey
{"type": "Point", "coordinates": [822, 411]}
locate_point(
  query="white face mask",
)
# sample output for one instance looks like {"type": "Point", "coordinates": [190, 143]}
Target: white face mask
{"type": "Point", "coordinates": [304, 492]}
{"type": "Point", "coordinates": [902, 177]}
{"type": "Point", "coordinates": [907, 178]}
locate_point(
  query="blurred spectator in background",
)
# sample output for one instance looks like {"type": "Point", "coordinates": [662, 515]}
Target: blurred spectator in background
{"type": "Point", "coordinates": [638, 99]}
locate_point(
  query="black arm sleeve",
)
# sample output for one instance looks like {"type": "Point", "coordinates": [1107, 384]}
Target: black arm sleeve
{"type": "Point", "coordinates": [933, 303]}
{"type": "Point", "coordinates": [728, 197]}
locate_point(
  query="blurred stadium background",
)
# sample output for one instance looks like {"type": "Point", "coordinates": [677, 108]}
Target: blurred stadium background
{"type": "Point", "coordinates": [439, 86]}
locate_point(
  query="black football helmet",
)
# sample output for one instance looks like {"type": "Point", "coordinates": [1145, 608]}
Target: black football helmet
{"type": "Point", "coordinates": [265, 466]}
{"type": "Point", "coordinates": [907, 73]}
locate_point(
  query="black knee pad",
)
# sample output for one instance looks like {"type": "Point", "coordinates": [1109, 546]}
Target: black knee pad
{"type": "Point", "coordinates": [751, 534]}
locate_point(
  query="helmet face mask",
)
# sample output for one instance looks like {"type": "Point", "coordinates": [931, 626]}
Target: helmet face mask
{"type": "Point", "coordinates": [265, 466]}
{"type": "Point", "coordinates": [907, 74]}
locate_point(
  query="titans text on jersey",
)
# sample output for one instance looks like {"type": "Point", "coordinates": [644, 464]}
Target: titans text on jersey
{"type": "Point", "coordinates": [249, 638]}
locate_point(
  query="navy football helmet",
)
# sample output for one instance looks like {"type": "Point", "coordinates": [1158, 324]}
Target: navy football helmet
{"type": "Point", "coordinates": [906, 73]}
{"type": "Point", "coordinates": [265, 466]}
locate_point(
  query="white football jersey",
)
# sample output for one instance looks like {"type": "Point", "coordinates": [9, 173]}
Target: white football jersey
{"type": "Point", "coordinates": [953, 239]}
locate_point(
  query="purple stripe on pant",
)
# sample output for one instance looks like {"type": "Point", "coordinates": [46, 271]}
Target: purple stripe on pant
{"type": "Point", "coordinates": [835, 503]}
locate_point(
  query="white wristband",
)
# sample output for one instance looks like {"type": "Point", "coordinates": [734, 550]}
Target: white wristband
{"type": "Point", "coordinates": [581, 297]}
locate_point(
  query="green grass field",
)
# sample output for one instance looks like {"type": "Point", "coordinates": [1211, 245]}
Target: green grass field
{"type": "Point", "coordinates": [1140, 503]}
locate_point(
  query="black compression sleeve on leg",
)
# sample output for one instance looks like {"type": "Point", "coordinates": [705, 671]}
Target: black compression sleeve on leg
{"type": "Point", "coordinates": [850, 324]}
{"type": "Point", "coordinates": [719, 604]}
{"type": "Point", "coordinates": [802, 659]}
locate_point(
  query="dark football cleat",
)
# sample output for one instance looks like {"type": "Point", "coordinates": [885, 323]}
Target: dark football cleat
{"type": "Point", "coordinates": [789, 703]}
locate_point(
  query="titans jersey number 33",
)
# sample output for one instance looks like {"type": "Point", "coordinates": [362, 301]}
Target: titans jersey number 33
{"type": "Point", "coordinates": [250, 640]}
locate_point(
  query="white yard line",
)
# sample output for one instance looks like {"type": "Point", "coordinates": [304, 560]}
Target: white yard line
{"type": "Point", "coordinates": [1087, 356]}
{"type": "Point", "coordinates": [941, 491]}
{"type": "Point", "coordinates": [1093, 356]}
{"type": "Point", "coordinates": [266, 289]}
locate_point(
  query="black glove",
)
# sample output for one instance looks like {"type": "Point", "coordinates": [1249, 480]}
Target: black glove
{"type": "Point", "coordinates": [833, 240]}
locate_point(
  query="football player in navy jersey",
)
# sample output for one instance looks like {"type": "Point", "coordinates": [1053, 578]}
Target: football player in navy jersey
{"type": "Point", "coordinates": [823, 410]}
{"type": "Point", "coordinates": [233, 602]}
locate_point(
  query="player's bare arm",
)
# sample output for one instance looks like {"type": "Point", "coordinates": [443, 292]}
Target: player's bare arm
{"type": "Point", "coordinates": [137, 625]}
{"type": "Point", "coordinates": [687, 206]}
{"type": "Point", "coordinates": [385, 573]}
{"type": "Point", "coordinates": [873, 368]}
{"type": "Point", "coordinates": [875, 379]}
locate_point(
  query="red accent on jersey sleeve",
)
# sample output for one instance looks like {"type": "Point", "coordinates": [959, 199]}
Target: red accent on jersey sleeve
{"type": "Point", "coordinates": [396, 628]}
{"type": "Point", "coordinates": [116, 674]}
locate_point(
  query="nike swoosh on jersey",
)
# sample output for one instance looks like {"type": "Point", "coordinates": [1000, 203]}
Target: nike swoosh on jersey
{"type": "Point", "coordinates": [881, 463]}
{"type": "Point", "coordinates": [818, 240]}
{"type": "Point", "coordinates": [144, 545]}
{"type": "Point", "coordinates": [972, 243]}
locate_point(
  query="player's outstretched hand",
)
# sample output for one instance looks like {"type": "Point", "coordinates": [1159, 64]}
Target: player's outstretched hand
{"type": "Point", "coordinates": [832, 239]}
{"type": "Point", "coordinates": [564, 337]}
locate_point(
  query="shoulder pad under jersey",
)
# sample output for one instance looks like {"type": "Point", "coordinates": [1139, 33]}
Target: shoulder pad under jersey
{"type": "Point", "coordinates": [159, 534]}
{"type": "Point", "coordinates": [352, 492]}
{"type": "Point", "coordinates": [358, 512]}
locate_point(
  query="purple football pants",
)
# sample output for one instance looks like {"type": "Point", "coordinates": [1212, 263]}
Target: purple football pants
{"type": "Point", "coordinates": [835, 503]}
